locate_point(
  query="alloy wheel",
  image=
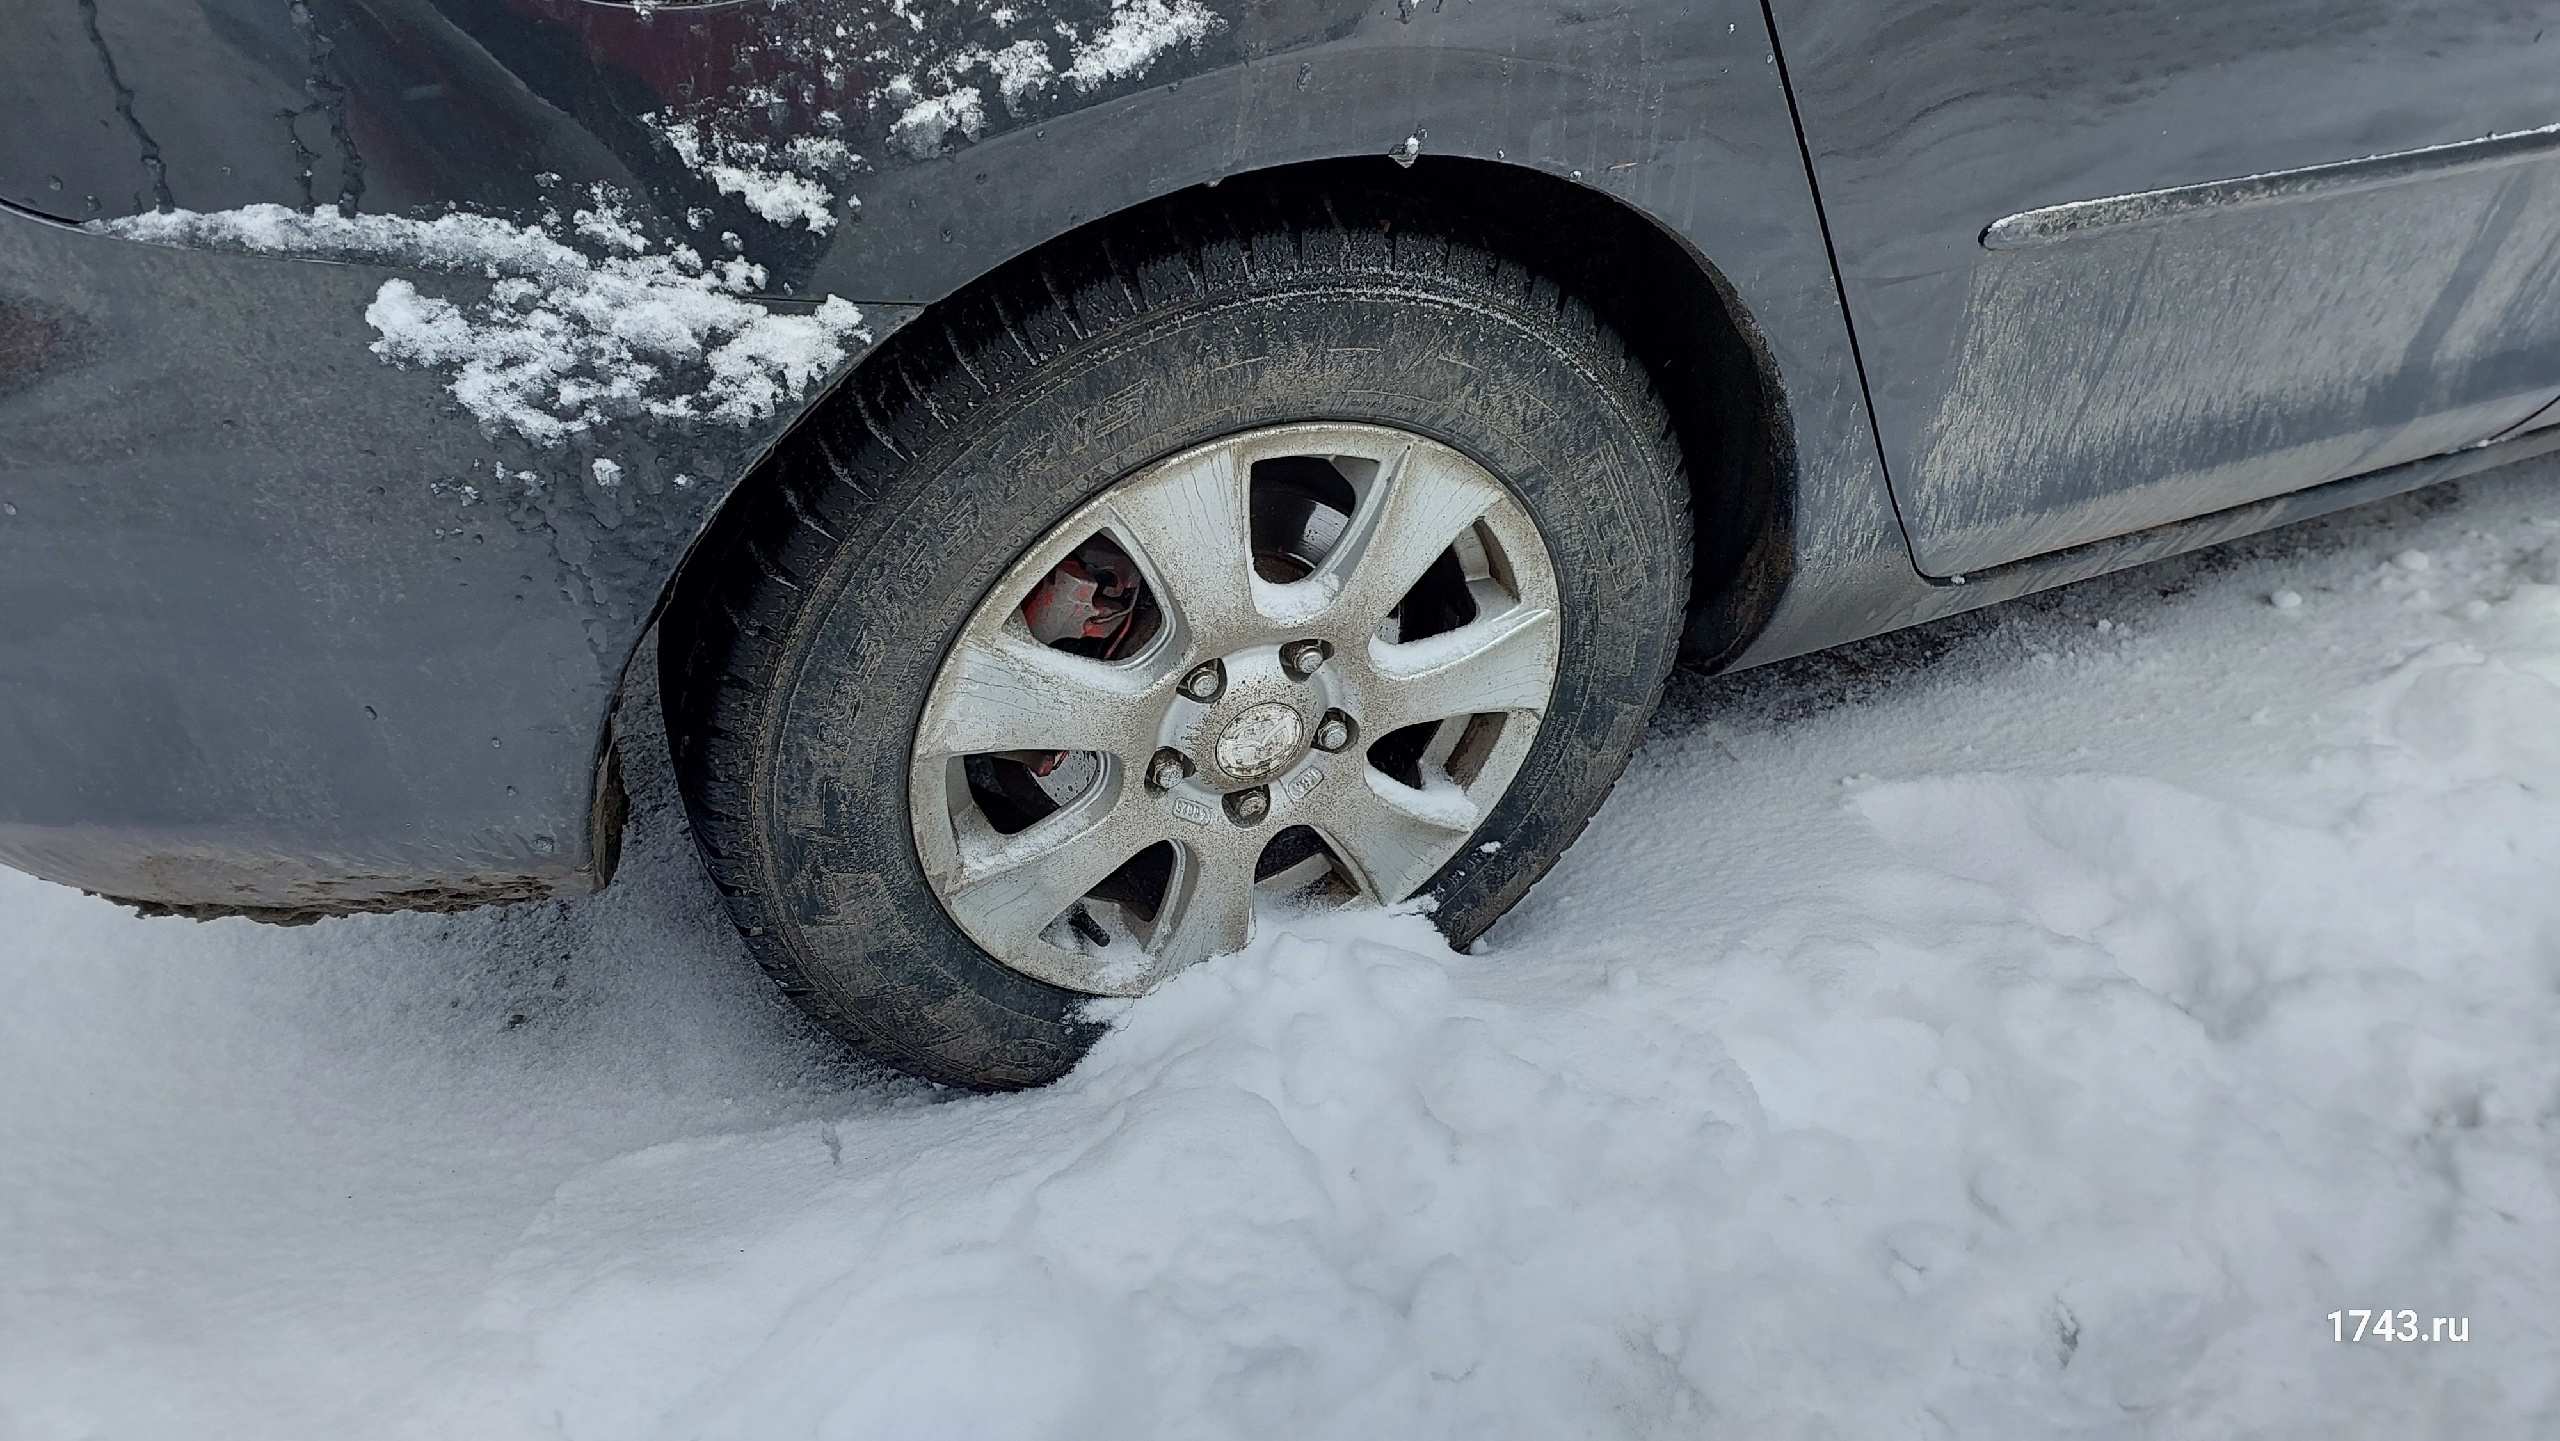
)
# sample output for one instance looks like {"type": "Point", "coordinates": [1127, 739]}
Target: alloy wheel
{"type": "Point", "coordinates": [1301, 663]}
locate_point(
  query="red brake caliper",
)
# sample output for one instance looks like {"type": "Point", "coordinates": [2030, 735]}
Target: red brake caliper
{"type": "Point", "coordinates": [1091, 595]}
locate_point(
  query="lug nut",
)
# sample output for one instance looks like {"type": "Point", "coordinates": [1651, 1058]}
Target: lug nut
{"type": "Point", "coordinates": [1247, 807]}
{"type": "Point", "coordinates": [1206, 682]}
{"type": "Point", "coordinates": [1333, 732]}
{"type": "Point", "coordinates": [1167, 770]}
{"type": "Point", "coordinates": [1302, 657]}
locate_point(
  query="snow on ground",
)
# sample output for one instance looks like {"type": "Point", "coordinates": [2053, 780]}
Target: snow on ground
{"type": "Point", "coordinates": [2033, 1026]}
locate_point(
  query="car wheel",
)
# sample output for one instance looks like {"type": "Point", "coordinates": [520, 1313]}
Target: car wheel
{"type": "Point", "coordinates": [1206, 566]}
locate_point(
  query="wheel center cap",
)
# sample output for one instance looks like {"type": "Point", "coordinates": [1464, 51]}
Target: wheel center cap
{"type": "Point", "coordinates": [1260, 741]}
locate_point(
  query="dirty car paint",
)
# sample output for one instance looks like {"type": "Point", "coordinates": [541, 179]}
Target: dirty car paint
{"type": "Point", "coordinates": [310, 636]}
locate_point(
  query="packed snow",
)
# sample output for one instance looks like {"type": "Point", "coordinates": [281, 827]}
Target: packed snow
{"type": "Point", "coordinates": [559, 340]}
{"type": "Point", "coordinates": [935, 101]}
{"type": "Point", "coordinates": [1021, 68]}
{"type": "Point", "coordinates": [927, 125]}
{"type": "Point", "coordinates": [784, 184]}
{"type": "Point", "coordinates": [1137, 32]}
{"type": "Point", "coordinates": [2030, 1026]}
{"type": "Point", "coordinates": [926, 89]}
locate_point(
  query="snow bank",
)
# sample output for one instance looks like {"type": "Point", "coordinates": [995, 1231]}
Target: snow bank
{"type": "Point", "coordinates": [2023, 1029]}
{"type": "Point", "coordinates": [561, 341]}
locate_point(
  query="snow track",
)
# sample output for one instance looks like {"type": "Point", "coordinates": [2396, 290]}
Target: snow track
{"type": "Point", "coordinates": [2031, 1026]}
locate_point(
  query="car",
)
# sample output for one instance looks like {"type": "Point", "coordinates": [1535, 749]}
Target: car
{"type": "Point", "coordinates": [1096, 471]}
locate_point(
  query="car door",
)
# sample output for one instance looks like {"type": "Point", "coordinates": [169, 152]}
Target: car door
{"type": "Point", "coordinates": [2111, 263]}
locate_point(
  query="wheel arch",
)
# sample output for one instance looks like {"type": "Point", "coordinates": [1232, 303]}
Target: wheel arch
{"type": "Point", "coordinates": [1681, 315]}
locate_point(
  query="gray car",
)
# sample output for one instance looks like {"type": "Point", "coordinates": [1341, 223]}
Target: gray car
{"type": "Point", "coordinates": [1098, 472]}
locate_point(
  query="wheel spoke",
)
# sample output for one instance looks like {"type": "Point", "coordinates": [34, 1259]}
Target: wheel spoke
{"type": "Point", "coordinates": [1415, 508]}
{"type": "Point", "coordinates": [1006, 691]}
{"type": "Point", "coordinates": [1395, 836]}
{"type": "Point", "coordinates": [1296, 878]}
{"type": "Point", "coordinates": [1188, 526]}
{"type": "Point", "coordinates": [1014, 886]}
{"type": "Point", "coordinates": [1207, 909]}
{"type": "Point", "coordinates": [1500, 663]}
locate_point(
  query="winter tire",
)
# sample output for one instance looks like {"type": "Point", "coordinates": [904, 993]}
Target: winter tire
{"type": "Point", "coordinates": [1205, 563]}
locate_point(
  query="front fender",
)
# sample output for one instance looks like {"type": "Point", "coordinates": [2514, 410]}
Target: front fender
{"type": "Point", "coordinates": [308, 635]}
